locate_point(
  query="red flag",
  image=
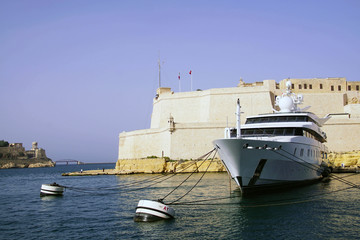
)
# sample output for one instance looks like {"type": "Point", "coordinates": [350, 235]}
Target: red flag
{"type": "Point", "coordinates": [179, 76]}
{"type": "Point", "coordinates": [190, 72]}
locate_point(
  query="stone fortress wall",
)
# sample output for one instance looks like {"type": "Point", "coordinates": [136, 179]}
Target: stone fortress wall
{"type": "Point", "coordinates": [184, 124]}
{"type": "Point", "coordinates": [17, 151]}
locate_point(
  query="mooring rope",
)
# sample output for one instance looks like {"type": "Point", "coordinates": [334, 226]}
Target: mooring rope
{"type": "Point", "coordinates": [195, 183]}
{"type": "Point", "coordinates": [187, 177]}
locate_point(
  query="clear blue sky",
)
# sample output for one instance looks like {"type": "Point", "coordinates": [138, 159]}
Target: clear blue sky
{"type": "Point", "coordinates": [76, 73]}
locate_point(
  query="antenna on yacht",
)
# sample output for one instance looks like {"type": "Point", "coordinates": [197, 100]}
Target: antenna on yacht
{"type": "Point", "coordinates": [288, 86]}
{"type": "Point", "coordinates": [238, 123]}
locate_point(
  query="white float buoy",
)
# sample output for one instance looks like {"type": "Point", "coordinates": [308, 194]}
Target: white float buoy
{"type": "Point", "coordinates": [148, 211]}
{"type": "Point", "coordinates": [53, 189]}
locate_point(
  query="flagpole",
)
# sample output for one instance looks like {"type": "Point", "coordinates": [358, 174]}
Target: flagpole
{"type": "Point", "coordinates": [191, 85]}
{"type": "Point", "coordinates": [191, 80]}
{"type": "Point", "coordinates": [159, 62]}
{"type": "Point", "coordinates": [159, 72]}
{"type": "Point", "coordinates": [179, 83]}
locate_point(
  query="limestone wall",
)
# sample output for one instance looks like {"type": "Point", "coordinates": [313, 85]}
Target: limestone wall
{"type": "Point", "coordinates": [144, 143]}
{"type": "Point", "coordinates": [324, 103]}
{"type": "Point", "coordinates": [342, 134]}
{"type": "Point", "coordinates": [198, 119]}
{"type": "Point", "coordinates": [190, 141]}
{"type": "Point", "coordinates": [183, 125]}
{"type": "Point", "coordinates": [209, 106]}
{"type": "Point", "coordinates": [160, 165]}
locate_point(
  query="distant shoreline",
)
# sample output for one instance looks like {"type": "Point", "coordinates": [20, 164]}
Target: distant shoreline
{"type": "Point", "coordinates": [25, 163]}
{"type": "Point", "coordinates": [74, 164]}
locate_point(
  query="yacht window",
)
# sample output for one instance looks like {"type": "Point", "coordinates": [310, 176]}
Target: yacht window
{"type": "Point", "coordinates": [283, 132]}
{"type": "Point", "coordinates": [291, 119]}
{"type": "Point", "coordinates": [269, 131]}
{"type": "Point", "coordinates": [278, 131]}
{"type": "Point", "coordinates": [266, 119]}
{"type": "Point", "coordinates": [301, 119]}
{"type": "Point", "coordinates": [247, 131]}
{"type": "Point", "coordinates": [295, 151]}
{"type": "Point", "coordinates": [301, 152]}
{"type": "Point", "coordinates": [273, 119]}
{"type": "Point", "coordinates": [289, 132]}
{"type": "Point", "coordinates": [308, 152]}
{"type": "Point", "coordinates": [298, 132]}
{"type": "Point", "coordinates": [256, 120]}
{"type": "Point", "coordinates": [258, 131]}
{"type": "Point", "coordinates": [249, 121]}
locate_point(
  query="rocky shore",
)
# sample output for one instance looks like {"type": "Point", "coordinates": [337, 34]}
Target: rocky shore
{"type": "Point", "coordinates": [345, 159]}
{"type": "Point", "coordinates": [25, 163]}
{"type": "Point", "coordinates": [345, 162]}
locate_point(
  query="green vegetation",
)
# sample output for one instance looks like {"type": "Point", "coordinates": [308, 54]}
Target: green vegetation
{"type": "Point", "coordinates": [166, 158]}
{"type": "Point", "coordinates": [4, 143]}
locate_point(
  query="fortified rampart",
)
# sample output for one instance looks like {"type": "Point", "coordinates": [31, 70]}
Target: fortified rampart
{"type": "Point", "coordinates": [184, 124]}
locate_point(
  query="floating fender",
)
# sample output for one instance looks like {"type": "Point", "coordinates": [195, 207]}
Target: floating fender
{"type": "Point", "coordinates": [148, 211]}
{"type": "Point", "coordinates": [53, 189]}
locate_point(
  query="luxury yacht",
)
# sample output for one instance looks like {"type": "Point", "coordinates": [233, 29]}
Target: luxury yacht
{"type": "Point", "coordinates": [282, 149]}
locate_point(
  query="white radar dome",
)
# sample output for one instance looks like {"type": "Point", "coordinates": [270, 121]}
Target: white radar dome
{"type": "Point", "coordinates": [286, 104]}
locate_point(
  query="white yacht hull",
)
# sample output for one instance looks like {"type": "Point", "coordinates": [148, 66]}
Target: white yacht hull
{"type": "Point", "coordinates": [259, 164]}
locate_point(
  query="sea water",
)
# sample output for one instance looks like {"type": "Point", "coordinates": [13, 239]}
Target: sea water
{"type": "Point", "coordinates": [103, 207]}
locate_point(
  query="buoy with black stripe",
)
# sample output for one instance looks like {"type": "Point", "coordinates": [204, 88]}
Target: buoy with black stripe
{"type": "Point", "coordinates": [52, 189]}
{"type": "Point", "coordinates": [148, 211]}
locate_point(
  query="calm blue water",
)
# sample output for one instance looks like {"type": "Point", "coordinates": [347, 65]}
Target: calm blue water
{"type": "Point", "coordinates": [108, 213]}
